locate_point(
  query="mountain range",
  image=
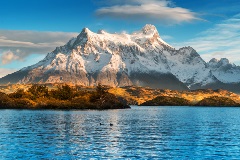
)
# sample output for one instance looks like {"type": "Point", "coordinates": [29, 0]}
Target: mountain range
{"type": "Point", "coordinates": [141, 59]}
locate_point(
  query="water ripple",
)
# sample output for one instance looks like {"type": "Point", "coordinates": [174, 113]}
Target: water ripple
{"type": "Point", "coordinates": [139, 133]}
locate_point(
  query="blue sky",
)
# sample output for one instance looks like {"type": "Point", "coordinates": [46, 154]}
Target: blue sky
{"type": "Point", "coordinates": [29, 29]}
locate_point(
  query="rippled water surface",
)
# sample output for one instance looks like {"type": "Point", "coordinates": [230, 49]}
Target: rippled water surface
{"type": "Point", "coordinates": [137, 133]}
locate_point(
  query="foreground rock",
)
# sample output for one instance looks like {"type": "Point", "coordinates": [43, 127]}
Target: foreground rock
{"type": "Point", "coordinates": [167, 101]}
{"type": "Point", "coordinates": [217, 102]}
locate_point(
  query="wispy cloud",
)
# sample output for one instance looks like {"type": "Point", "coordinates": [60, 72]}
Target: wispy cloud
{"type": "Point", "coordinates": [166, 37]}
{"type": "Point", "coordinates": [221, 41]}
{"type": "Point", "coordinates": [151, 10]}
{"type": "Point", "coordinates": [9, 56]}
{"type": "Point", "coordinates": [16, 45]}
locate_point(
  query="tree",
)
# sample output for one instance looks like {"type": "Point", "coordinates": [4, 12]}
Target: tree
{"type": "Point", "coordinates": [5, 101]}
{"type": "Point", "coordinates": [100, 96]}
{"type": "Point", "coordinates": [38, 91]}
{"type": "Point", "coordinates": [63, 92]}
{"type": "Point", "coordinates": [101, 90]}
{"type": "Point", "coordinates": [17, 94]}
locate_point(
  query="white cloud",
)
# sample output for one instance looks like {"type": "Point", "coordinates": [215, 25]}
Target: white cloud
{"type": "Point", "coordinates": [16, 45]}
{"type": "Point", "coordinates": [166, 37]}
{"type": "Point", "coordinates": [4, 72]}
{"type": "Point", "coordinates": [152, 10]}
{"type": "Point", "coordinates": [221, 41]}
{"type": "Point", "coordinates": [9, 56]}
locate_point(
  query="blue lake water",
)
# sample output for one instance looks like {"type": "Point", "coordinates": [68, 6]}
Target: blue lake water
{"type": "Point", "coordinates": [137, 133]}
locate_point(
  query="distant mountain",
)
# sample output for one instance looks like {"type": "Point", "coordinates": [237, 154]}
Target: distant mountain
{"type": "Point", "coordinates": [225, 71]}
{"type": "Point", "coordinates": [141, 58]}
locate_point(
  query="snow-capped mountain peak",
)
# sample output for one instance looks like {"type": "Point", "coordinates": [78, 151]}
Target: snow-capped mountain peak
{"type": "Point", "coordinates": [149, 29]}
{"type": "Point", "coordinates": [101, 31]}
{"type": "Point", "coordinates": [213, 61]}
{"type": "Point", "coordinates": [120, 59]}
{"type": "Point", "coordinates": [224, 70]}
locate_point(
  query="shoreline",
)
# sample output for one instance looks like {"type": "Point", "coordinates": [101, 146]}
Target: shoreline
{"type": "Point", "coordinates": [50, 109]}
{"type": "Point", "coordinates": [152, 107]}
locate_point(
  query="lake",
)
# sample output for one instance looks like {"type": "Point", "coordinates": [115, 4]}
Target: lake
{"type": "Point", "coordinates": [137, 133]}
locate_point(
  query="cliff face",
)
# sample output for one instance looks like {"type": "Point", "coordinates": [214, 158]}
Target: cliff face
{"type": "Point", "coordinates": [141, 58]}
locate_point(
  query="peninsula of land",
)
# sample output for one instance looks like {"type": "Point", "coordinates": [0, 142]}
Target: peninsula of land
{"type": "Point", "coordinates": [62, 97]}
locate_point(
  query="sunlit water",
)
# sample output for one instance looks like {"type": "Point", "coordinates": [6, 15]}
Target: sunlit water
{"type": "Point", "coordinates": [137, 133]}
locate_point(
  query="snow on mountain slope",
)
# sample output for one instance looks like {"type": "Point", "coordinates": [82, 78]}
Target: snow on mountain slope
{"type": "Point", "coordinates": [103, 48]}
{"type": "Point", "coordinates": [187, 65]}
{"type": "Point", "coordinates": [141, 58]}
{"type": "Point", "coordinates": [111, 59]}
{"type": "Point", "coordinates": [225, 71]}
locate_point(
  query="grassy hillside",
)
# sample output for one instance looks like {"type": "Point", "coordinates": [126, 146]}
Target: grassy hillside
{"type": "Point", "coordinates": [217, 101]}
{"type": "Point", "coordinates": [167, 101]}
{"type": "Point", "coordinates": [139, 95]}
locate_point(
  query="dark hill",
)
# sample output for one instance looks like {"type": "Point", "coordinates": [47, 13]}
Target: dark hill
{"type": "Point", "coordinates": [216, 101]}
{"type": "Point", "coordinates": [167, 101]}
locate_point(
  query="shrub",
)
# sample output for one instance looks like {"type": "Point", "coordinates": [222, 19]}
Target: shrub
{"type": "Point", "coordinates": [217, 101]}
{"type": "Point", "coordinates": [5, 101]}
{"type": "Point", "coordinates": [63, 92]}
{"type": "Point", "coordinates": [167, 101]}
{"type": "Point", "coordinates": [20, 93]}
{"type": "Point", "coordinates": [38, 91]}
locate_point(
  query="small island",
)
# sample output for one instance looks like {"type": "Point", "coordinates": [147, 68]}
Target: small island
{"type": "Point", "coordinates": [63, 97]}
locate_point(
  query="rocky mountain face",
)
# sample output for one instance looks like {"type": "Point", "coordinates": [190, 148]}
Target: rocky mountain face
{"type": "Point", "coordinates": [141, 58]}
